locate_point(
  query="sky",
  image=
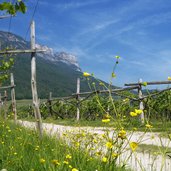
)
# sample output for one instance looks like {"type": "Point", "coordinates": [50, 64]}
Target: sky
{"type": "Point", "coordinates": [139, 31]}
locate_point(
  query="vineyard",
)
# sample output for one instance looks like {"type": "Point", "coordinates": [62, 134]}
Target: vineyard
{"type": "Point", "coordinates": [106, 128]}
{"type": "Point", "coordinates": [118, 137]}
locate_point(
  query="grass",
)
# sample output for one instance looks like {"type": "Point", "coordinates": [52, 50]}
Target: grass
{"type": "Point", "coordinates": [22, 150]}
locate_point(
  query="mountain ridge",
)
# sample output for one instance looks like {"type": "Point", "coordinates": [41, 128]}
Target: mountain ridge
{"type": "Point", "coordinates": [57, 72]}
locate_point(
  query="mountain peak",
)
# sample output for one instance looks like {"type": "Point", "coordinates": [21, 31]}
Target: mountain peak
{"type": "Point", "coordinates": [55, 57]}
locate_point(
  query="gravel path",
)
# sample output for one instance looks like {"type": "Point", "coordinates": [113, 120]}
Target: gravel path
{"type": "Point", "coordinates": [147, 160]}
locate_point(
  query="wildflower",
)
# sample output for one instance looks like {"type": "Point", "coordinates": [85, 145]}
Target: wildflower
{"type": "Point", "coordinates": [134, 128]}
{"type": "Point", "coordinates": [74, 169]}
{"type": "Point", "coordinates": [148, 126]}
{"type": "Point", "coordinates": [101, 84]}
{"type": "Point", "coordinates": [126, 100]}
{"type": "Point", "coordinates": [95, 141]}
{"type": "Point", "coordinates": [68, 156]}
{"type": "Point", "coordinates": [77, 144]}
{"type": "Point", "coordinates": [117, 57]}
{"type": "Point", "coordinates": [104, 159]}
{"type": "Point", "coordinates": [133, 146]}
{"type": "Point", "coordinates": [37, 148]}
{"type": "Point", "coordinates": [93, 83]}
{"type": "Point", "coordinates": [109, 145]}
{"type": "Point", "coordinates": [83, 134]}
{"type": "Point", "coordinates": [42, 160]}
{"type": "Point", "coordinates": [86, 74]}
{"type": "Point", "coordinates": [105, 120]}
{"type": "Point", "coordinates": [133, 114]}
{"type": "Point", "coordinates": [55, 162]}
{"type": "Point", "coordinates": [64, 134]}
{"type": "Point", "coordinates": [70, 166]}
{"type": "Point", "coordinates": [65, 162]}
{"type": "Point", "coordinates": [98, 153]}
{"type": "Point", "coordinates": [169, 78]}
{"type": "Point", "coordinates": [144, 83]}
{"type": "Point", "coordinates": [107, 116]}
{"type": "Point", "coordinates": [122, 134]}
{"type": "Point", "coordinates": [114, 155]}
{"type": "Point", "coordinates": [113, 75]}
{"type": "Point", "coordinates": [138, 111]}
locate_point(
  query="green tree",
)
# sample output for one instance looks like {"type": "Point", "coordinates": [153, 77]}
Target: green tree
{"type": "Point", "coordinates": [12, 9]}
{"type": "Point", "coordinates": [6, 61]}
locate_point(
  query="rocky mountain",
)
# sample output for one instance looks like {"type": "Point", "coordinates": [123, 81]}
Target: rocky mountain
{"type": "Point", "coordinates": [56, 57]}
{"type": "Point", "coordinates": [57, 72]}
{"type": "Point", "coordinates": [16, 42]}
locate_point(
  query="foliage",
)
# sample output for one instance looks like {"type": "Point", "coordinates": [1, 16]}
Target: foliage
{"type": "Point", "coordinates": [12, 9]}
{"type": "Point", "coordinates": [6, 63]}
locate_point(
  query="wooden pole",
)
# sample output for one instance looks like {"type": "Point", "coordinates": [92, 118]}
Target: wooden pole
{"type": "Point", "coordinates": [14, 110]}
{"type": "Point", "coordinates": [5, 104]}
{"type": "Point", "coordinates": [149, 83]}
{"type": "Point", "coordinates": [78, 104]}
{"type": "Point", "coordinates": [0, 104]}
{"type": "Point", "coordinates": [50, 104]}
{"type": "Point", "coordinates": [33, 83]}
{"type": "Point", "coordinates": [141, 106]}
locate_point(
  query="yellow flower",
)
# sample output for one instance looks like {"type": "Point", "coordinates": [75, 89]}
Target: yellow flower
{"type": "Point", "coordinates": [104, 159]}
{"type": "Point", "coordinates": [135, 129]}
{"type": "Point", "coordinates": [86, 74]}
{"type": "Point", "coordinates": [105, 120]}
{"type": "Point", "coordinates": [77, 144]}
{"type": "Point", "coordinates": [74, 169]}
{"type": "Point", "coordinates": [126, 100]}
{"type": "Point", "coordinates": [68, 156]}
{"type": "Point", "coordinates": [101, 84]}
{"type": "Point", "coordinates": [109, 145]}
{"type": "Point", "coordinates": [113, 75]}
{"type": "Point", "coordinates": [133, 114]}
{"type": "Point", "coordinates": [144, 83]}
{"type": "Point", "coordinates": [117, 57]}
{"type": "Point", "coordinates": [70, 166]}
{"type": "Point", "coordinates": [65, 162]}
{"type": "Point", "coordinates": [138, 111]}
{"type": "Point", "coordinates": [114, 155]}
{"type": "Point", "coordinates": [95, 141]}
{"type": "Point", "coordinates": [169, 78]}
{"type": "Point", "coordinates": [122, 134]}
{"type": "Point", "coordinates": [107, 116]}
{"type": "Point", "coordinates": [42, 161]}
{"type": "Point", "coordinates": [55, 162]}
{"type": "Point", "coordinates": [133, 146]}
{"type": "Point", "coordinates": [148, 126]}
{"type": "Point", "coordinates": [98, 153]}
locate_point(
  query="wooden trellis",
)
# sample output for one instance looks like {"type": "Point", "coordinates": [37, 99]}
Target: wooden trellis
{"type": "Point", "coordinates": [33, 52]}
{"type": "Point", "coordinates": [13, 101]}
{"type": "Point", "coordinates": [132, 86]}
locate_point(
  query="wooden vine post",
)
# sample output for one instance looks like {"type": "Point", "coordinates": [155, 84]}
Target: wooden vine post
{"type": "Point", "coordinates": [14, 110]}
{"type": "Point", "coordinates": [5, 105]}
{"type": "Point", "coordinates": [50, 104]}
{"type": "Point", "coordinates": [141, 106]}
{"type": "Point", "coordinates": [33, 83]}
{"type": "Point", "coordinates": [0, 104]}
{"type": "Point", "coordinates": [78, 97]}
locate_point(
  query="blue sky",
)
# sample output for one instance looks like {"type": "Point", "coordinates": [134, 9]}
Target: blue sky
{"type": "Point", "coordinates": [96, 30]}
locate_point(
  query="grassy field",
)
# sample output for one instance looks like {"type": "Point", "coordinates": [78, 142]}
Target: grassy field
{"type": "Point", "coordinates": [22, 150]}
